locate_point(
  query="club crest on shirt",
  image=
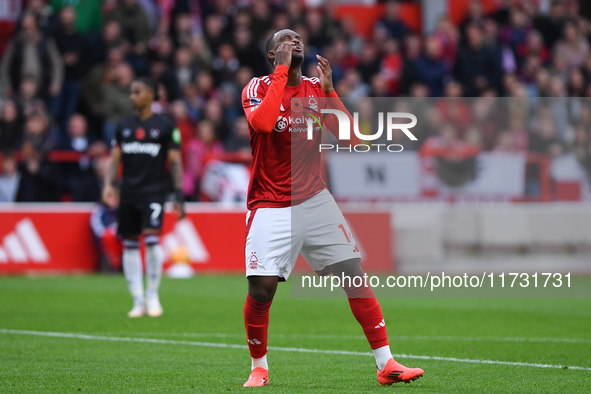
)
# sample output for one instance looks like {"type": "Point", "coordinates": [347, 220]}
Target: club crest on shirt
{"type": "Point", "coordinates": [126, 133]}
{"type": "Point", "coordinates": [154, 133]}
{"type": "Point", "coordinates": [140, 133]}
{"type": "Point", "coordinates": [313, 103]}
{"type": "Point", "coordinates": [254, 261]}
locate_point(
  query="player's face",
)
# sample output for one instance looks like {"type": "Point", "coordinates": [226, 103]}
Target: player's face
{"type": "Point", "coordinates": [297, 54]}
{"type": "Point", "coordinates": [141, 96]}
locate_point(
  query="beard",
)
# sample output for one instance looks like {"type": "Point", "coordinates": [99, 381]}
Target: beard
{"type": "Point", "coordinates": [297, 58]}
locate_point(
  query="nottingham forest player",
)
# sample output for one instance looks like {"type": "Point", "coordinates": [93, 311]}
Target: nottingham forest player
{"type": "Point", "coordinates": [143, 143]}
{"type": "Point", "coordinates": [319, 230]}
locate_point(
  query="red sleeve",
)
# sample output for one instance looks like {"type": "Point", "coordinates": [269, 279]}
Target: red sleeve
{"type": "Point", "coordinates": [332, 122]}
{"type": "Point", "coordinates": [262, 109]}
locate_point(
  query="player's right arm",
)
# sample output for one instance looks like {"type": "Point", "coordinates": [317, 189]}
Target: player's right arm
{"type": "Point", "coordinates": [262, 110]}
{"type": "Point", "coordinates": [109, 192]}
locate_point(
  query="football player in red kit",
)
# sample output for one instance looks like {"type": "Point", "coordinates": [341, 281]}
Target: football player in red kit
{"type": "Point", "coordinates": [286, 218]}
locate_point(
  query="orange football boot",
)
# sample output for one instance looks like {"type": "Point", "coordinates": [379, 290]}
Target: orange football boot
{"type": "Point", "coordinates": [258, 377]}
{"type": "Point", "coordinates": [394, 372]}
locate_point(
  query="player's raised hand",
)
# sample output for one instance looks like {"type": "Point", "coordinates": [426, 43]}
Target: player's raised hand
{"type": "Point", "coordinates": [324, 74]}
{"type": "Point", "coordinates": [283, 54]}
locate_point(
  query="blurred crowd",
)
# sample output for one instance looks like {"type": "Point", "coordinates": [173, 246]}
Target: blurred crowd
{"type": "Point", "coordinates": [65, 77]}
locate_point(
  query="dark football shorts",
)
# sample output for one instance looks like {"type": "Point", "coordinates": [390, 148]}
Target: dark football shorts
{"type": "Point", "coordinates": [137, 214]}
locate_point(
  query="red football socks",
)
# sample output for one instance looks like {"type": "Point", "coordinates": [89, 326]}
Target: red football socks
{"type": "Point", "coordinates": [256, 320]}
{"type": "Point", "coordinates": [364, 305]}
{"type": "Point", "coordinates": [367, 311]}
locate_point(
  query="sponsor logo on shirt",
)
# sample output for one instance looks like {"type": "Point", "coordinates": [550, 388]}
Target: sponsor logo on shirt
{"type": "Point", "coordinates": [300, 122]}
{"type": "Point", "coordinates": [141, 148]}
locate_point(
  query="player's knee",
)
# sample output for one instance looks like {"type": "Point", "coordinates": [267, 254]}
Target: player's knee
{"type": "Point", "coordinates": [151, 239]}
{"type": "Point", "coordinates": [260, 290]}
{"type": "Point", "coordinates": [350, 267]}
{"type": "Point", "coordinates": [129, 243]}
{"type": "Point", "coordinates": [261, 294]}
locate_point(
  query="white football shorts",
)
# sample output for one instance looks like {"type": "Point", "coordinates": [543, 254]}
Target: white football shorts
{"type": "Point", "coordinates": [315, 228]}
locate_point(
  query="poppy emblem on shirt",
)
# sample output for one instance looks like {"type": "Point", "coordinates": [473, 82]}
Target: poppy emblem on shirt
{"type": "Point", "coordinates": [296, 105]}
{"type": "Point", "coordinates": [140, 133]}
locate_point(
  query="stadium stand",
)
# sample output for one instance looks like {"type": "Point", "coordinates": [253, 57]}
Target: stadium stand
{"type": "Point", "coordinates": [65, 73]}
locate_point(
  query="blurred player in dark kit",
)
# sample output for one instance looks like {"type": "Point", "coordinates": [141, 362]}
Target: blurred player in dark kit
{"type": "Point", "coordinates": [143, 143]}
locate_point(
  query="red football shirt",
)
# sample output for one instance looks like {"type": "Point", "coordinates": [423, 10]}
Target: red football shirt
{"type": "Point", "coordinates": [286, 166]}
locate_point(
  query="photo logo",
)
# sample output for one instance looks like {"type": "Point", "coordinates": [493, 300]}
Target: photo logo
{"type": "Point", "coordinates": [344, 134]}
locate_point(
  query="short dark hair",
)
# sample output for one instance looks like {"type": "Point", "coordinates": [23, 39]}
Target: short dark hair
{"type": "Point", "coordinates": [269, 47]}
{"type": "Point", "coordinates": [151, 84]}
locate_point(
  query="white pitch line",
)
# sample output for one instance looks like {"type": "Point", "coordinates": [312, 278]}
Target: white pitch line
{"type": "Point", "coordinates": [495, 339]}
{"type": "Point", "coordinates": [276, 348]}
{"type": "Point", "coordinates": [361, 337]}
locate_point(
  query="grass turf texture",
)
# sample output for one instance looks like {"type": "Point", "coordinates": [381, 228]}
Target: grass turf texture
{"type": "Point", "coordinates": [209, 309]}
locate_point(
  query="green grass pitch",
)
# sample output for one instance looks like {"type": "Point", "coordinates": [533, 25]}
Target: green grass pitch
{"type": "Point", "coordinates": [177, 353]}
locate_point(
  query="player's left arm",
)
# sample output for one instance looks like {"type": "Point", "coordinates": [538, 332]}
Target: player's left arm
{"type": "Point", "coordinates": [325, 78]}
{"type": "Point", "coordinates": [176, 171]}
